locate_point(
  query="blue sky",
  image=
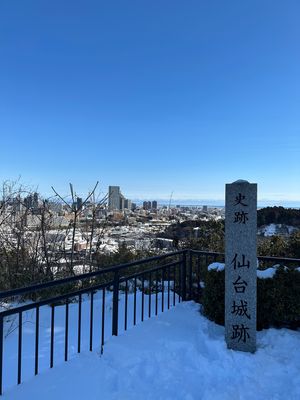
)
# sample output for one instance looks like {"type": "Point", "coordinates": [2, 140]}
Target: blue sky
{"type": "Point", "coordinates": [154, 96]}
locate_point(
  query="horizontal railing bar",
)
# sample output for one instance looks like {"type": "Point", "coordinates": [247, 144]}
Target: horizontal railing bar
{"type": "Point", "coordinates": [261, 258]}
{"type": "Point", "coordinates": [52, 300]}
{"type": "Point", "coordinates": [206, 253]}
{"type": "Point", "coordinates": [34, 288]}
{"type": "Point", "coordinates": [266, 258]}
{"type": "Point", "coordinates": [24, 290]}
{"type": "Point", "coordinates": [147, 271]}
{"type": "Point", "coordinates": [68, 295]}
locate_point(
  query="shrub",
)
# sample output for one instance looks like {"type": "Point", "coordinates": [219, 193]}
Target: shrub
{"type": "Point", "coordinates": [213, 300]}
{"type": "Point", "coordinates": [278, 298]}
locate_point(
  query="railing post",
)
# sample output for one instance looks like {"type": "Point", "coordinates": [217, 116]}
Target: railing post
{"type": "Point", "coordinates": [190, 262]}
{"type": "Point", "coordinates": [115, 304]}
{"type": "Point", "coordinates": [183, 276]}
{"type": "Point", "coordinates": [1, 354]}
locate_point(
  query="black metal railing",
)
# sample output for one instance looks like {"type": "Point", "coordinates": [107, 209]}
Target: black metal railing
{"type": "Point", "coordinates": [160, 278]}
{"type": "Point", "coordinates": [144, 288]}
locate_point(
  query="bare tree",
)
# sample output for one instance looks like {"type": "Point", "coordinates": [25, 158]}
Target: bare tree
{"type": "Point", "coordinates": [91, 232]}
{"type": "Point", "coordinates": [31, 249]}
{"type": "Point", "coordinates": [76, 210]}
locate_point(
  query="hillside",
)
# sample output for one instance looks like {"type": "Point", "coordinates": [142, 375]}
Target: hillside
{"type": "Point", "coordinates": [278, 215]}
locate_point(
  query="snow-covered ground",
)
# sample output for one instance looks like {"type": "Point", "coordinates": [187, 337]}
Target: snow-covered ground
{"type": "Point", "coordinates": [276, 229]}
{"type": "Point", "coordinates": [176, 355]}
{"type": "Point", "coordinates": [10, 355]}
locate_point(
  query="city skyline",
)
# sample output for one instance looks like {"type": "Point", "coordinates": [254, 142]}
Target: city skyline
{"type": "Point", "coordinates": [171, 200]}
{"type": "Point", "coordinates": [155, 98]}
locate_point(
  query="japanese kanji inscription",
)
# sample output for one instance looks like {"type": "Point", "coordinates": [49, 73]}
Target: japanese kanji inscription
{"type": "Point", "coordinates": [241, 264]}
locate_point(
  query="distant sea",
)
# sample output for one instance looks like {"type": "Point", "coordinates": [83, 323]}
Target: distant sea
{"type": "Point", "coordinates": [220, 203]}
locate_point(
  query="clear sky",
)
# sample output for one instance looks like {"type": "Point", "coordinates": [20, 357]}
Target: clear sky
{"type": "Point", "coordinates": [155, 96]}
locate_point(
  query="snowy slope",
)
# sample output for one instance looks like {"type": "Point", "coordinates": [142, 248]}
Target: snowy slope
{"type": "Point", "coordinates": [177, 355]}
{"type": "Point", "coordinates": [276, 229]}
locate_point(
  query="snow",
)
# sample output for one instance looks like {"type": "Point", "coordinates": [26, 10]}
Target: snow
{"type": "Point", "coordinates": [276, 229]}
{"type": "Point", "coordinates": [28, 337]}
{"type": "Point", "coordinates": [261, 274]}
{"type": "Point", "coordinates": [267, 273]}
{"type": "Point", "coordinates": [177, 355]}
{"type": "Point", "coordinates": [270, 230]}
{"type": "Point", "coordinates": [216, 266]}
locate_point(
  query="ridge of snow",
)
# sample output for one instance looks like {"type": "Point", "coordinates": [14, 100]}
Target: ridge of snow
{"type": "Point", "coordinates": [261, 274]}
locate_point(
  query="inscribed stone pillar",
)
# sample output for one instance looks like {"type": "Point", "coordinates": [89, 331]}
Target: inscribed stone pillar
{"type": "Point", "coordinates": [240, 265]}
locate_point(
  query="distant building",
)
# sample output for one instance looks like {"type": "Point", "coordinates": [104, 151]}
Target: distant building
{"type": "Point", "coordinates": [154, 205]}
{"type": "Point", "coordinates": [78, 246]}
{"type": "Point", "coordinates": [114, 198]}
{"type": "Point", "coordinates": [101, 213]}
{"type": "Point", "coordinates": [116, 201]}
{"type": "Point", "coordinates": [35, 201]}
{"type": "Point", "coordinates": [127, 204]}
{"type": "Point", "coordinates": [28, 201]}
{"type": "Point", "coordinates": [204, 208]}
{"type": "Point", "coordinates": [122, 202]}
{"type": "Point", "coordinates": [16, 204]}
{"type": "Point", "coordinates": [79, 203]}
{"type": "Point", "coordinates": [32, 201]}
{"type": "Point", "coordinates": [54, 206]}
{"type": "Point", "coordinates": [117, 216]}
{"type": "Point", "coordinates": [147, 205]}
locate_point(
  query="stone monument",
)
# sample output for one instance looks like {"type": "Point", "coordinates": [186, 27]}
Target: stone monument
{"type": "Point", "coordinates": [240, 265]}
